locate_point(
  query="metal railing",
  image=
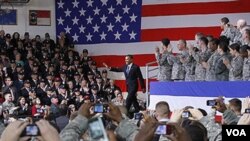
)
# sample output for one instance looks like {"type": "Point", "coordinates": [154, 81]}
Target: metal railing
{"type": "Point", "coordinates": [148, 70]}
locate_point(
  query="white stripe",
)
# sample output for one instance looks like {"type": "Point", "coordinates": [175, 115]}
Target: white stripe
{"type": "Point", "coordinates": [181, 21]}
{"type": "Point", "coordinates": [179, 102]}
{"type": "Point", "coordinates": [154, 2]}
{"type": "Point", "coordinates": [124, 48]}
{"type": "Point", "coordinates": [43, 21]}
{"type": "Point", "coordinates": [120, 75]}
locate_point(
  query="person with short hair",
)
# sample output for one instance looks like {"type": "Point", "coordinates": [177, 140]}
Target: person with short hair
{"type": "Point", "coordinates": [162, 58]}
{"type": "Point", "coordinates": [132, 74]}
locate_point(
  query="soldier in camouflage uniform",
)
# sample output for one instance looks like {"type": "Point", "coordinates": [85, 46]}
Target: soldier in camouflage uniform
{"type": "Point", "coordinates": [178, 70]}
{"type": "Point", "coordinates": [201, 56]}
{"type": "Point", "coordinates": [246, 65]}
{"type": "Point", "coordinates": [220, 69]}
{"type": "Point", "coordinates": [236, 65]}
{"type": "Point", "coordinates": [165, 69]}
{"type": "Point", "coordinates": [230, 31]}
{"type": "Point", "coordinates": [246, 37]}
{"type": "Point", "coordinates": [209, 65]}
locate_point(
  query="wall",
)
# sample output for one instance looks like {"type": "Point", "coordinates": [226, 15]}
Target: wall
{"type": "Point", "coordinates": [23, 19]}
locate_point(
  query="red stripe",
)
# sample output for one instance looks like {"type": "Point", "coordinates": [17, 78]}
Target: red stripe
{"type": "Point", "coordinates": [177, 33]}
{"type": "Point", "coordinates": [43, 14]}
{"type": "Point", "coordinates": [118, 61]}
{"type": "Point", "coordinates": [240, 6]}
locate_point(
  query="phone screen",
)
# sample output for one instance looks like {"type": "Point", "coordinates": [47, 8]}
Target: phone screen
{"type": "Point", "coordinates": [161, 130]}
{"type": "Point", "coordinates": [96, 129]}
{"type": "Point", "coordinates": [98, 108]}
{"type": "Point", "coordinates": [211, 103]}
{"type": "Point", "coordinates": [31, 130]}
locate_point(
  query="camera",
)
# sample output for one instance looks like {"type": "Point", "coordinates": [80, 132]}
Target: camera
{"type": "Point", "coordinates": [101, 108]}
{"type": "Point", "coordinates": [211, 102]}
{"type": "Point", "coordinates": [138, 116]}
{"type": "Point", "coordinates": [97, 130]}
{"type": "Point", "coordinates": [186, 114]}
{"type": "Point", "coordinates": [31, 130]}
{"type": "Point", "coordinates": [163, 129]}
{"type": "Point", "coordinates": [247, 111]}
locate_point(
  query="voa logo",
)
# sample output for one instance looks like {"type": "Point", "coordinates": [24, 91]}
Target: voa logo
{"type": "Point", "coordinates": [236, 132]}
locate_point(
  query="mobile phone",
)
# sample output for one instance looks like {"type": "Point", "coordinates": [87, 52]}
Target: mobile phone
{"type": "Point", "coordinates": [185, 114]}
{"type": "Point", "coordinates": [163, 129]}
{"type": "Point", "coordinates": [247, 111]}
{"type": "Point", "coordinates": [97, 130]}
{"type": "Point", "coordinates": [31, 130]}
{"type": "Point", "coordinates": [138, 116]}
{"type": "Point", "coordinates": [101, 108]}
{"type": "Point", "coordinates": [211, 102]}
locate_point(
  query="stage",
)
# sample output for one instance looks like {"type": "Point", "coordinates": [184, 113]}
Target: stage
{"type": "Point", "coordinates": [181, 94]}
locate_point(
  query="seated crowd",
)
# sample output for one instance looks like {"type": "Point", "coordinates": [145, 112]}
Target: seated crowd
{"type": "Point", "coordinates": [50, 85]}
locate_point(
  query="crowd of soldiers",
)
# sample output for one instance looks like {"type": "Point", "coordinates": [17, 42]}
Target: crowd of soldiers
{"type": "Point", "coordinates": [211, 59]}
{"type": "Point", "coordinates": [42, 78]}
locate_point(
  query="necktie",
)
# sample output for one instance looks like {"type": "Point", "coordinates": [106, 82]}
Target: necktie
{"type": "Point", "coordinates": [127, 70]}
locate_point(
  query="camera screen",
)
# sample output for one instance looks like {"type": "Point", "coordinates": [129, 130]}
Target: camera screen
{"type": "Point", "coordinates": [211, 103]}
{"type": "Point", "coordinates": [138, 116]}
{"type": "Point", "coordinates": [32, 130]}
{"type": "Point", "coordinates": [96, 129]}
{"type": "Point", "coordinates": [98, 108]}
{"type": "Point", "coordinates": [247, 111]}
{"type": "Point", "coordinates": [161, 130]}
{"type": "Point", "coordinates": [185, 114]}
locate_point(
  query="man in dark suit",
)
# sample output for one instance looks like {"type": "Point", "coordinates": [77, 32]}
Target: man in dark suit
{"type": "Point", "coordinates": [132, 74]}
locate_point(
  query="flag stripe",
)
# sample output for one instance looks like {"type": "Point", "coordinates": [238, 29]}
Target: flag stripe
{"type": "Point", "coordinates": [43, 14]}
{"type": "Point", "coordinates": [157, 2]}
{"type": "Point", "coordinates": [196, 8]}
{"type": "Point", "coordinates": [181, 21]}
{"type": "Point", "coordinates": [43, 21]}
{"type": "Point", "coordinates": [140, 60]}
{"type": "Point", "coordinates": [116, 49]}
{"type": "Point", "coordinates": [177, 33]}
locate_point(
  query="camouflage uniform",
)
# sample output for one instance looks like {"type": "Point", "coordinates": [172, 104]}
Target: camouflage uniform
{"type": "Point", "coordinates": [220, 69]}
{"type": "Point", "coordinates": [73, 131]}
{"type": "Point", "coordinates": [210, 71]}
{"type": "Point", "coordinates": [165, 69]}
{"type": "Point", "coordinates": [246, 69]}
{"type": "Point", "coordinates": [232, 33]}
{"type": "Point", "coordinates": [235, 69]}
{"type": "Point", "coordinates": [189, 66]}
{"type": "Point", "coordinates": [214, 130]}
{"type": "Point", "coordinates": [200, 71]}
{"type": "Point", "coordinates": [178, 70]}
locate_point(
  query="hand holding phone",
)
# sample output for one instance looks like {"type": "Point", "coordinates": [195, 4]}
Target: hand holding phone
{"type": "Point", "coordinates": [101, 108]}
{"type": "Point", "coordinates": [31, 130]}
{"type": "Point", "coordinates": [97, 130]}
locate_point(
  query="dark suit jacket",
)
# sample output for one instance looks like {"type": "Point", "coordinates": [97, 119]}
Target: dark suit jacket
{"type": "Point", "coordinates": [132, 77]}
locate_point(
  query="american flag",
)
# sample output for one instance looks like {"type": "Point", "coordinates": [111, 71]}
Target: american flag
{"type": "Point", "coordinates": [110, 29]}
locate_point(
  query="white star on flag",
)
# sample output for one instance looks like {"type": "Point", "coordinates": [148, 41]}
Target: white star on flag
{"type": "Point", "coordinates": [60, 21]}
{"type": "Point", "coordinates": [75, 37]}
{"type": "Point", "coordinates": [118, 2]}
{"type": "Point", "coordinates": [133, 18]}
{"type": "Point", "coordinates": [103, 36]}
{"type": "Point", "coordinates": [111, 10]}
{"type": "Point", "coordinates": [103, 19]}
{"type": "Point", "coordinates": [125, 9]}
{"type": "Point", "coordinates": [96, 11]}
{"type": "Point", "coordinates": [89, 36]}
{"type": "Point", "coordinates": [90, 3]}
{"type": "Point", "coordinates": [67, 12]}
{"type": "Point", "coordinates": [125, 27]}
{"type": "Point", "coordinates": [60, 4]}
{"type": "Point", "coordinates": [67, 29]}
{"type": "Point", "coordinates": [96, 28]}
{"type": "Point", "coordinates": [75, 21]}
{"type": "Point", "coordinates": [132, 35]}
{"type": "Point", "coordinates": [110, 27]}
{"type": "Point", "coordinates": [75, 4]}
{"type": "Point", "coordinates": [81, 28]}
{"type": "Point", "coordinates": [117, 35]}
{"type": "Point", "coordinates": [89, 20]}
{"type": "Point", "coordinates": [118, 18]}
{"type": "Point", "coordinates": [104, 2]}
{"type": "Point", "coordinates": [82, 12]}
